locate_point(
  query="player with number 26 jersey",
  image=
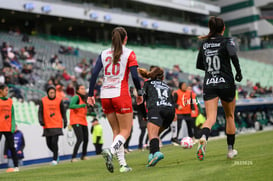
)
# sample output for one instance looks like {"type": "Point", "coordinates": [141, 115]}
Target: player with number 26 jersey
{"type": "Point", "coordinates": [115, 81]}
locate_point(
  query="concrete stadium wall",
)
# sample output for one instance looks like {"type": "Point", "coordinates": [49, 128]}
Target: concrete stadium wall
{"type": "Point", "coordinates": [36, 150]}
{"type": "Point", "coordinates": [264, 55]}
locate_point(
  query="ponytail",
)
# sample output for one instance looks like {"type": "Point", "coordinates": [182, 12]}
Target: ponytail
{"type": "Point", "coordinates": [155, 73]}
{"type": "Point", "coordinates": [216, 26]}
{"type": "Point", "coordinates": [118, 36]}
{"type": "Point", "coordinates": [144, 73]}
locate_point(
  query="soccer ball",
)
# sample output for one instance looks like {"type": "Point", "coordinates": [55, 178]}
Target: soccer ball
{"type": "Point", "coordinates": [186, 142]}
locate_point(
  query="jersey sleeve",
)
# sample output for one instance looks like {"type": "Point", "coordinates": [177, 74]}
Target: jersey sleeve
{"type": "Point", "coordinates": [145, 90]}
{"type": "Point", "coordinates": [132, 61]}
{"type": "Point", "coordinates": [200, 62]}
{"type": "Point", "coordinates": [231, 48]}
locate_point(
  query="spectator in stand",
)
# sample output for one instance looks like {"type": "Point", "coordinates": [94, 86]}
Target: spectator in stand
{"type": "Point", "coordinates": [242, 92]}
{"type": "Point", "coordinates": [2, 77]}
{"type": "Point", "coordinates": [15, 63]}
{"type": "Point", "coordinates": [74, 81]}
{"type": "Point", "coordinates": [78, 69]}
{"type": "Point", "coordinates": [76, 52]}
{"type": "Point", "coordinates": [54, 59]}
{"type": "Point", "coordinates": [23, 54]}
{"type": "Point", "coordinates": [22, 80]}
{"type": "Point", "coordinates": [62, 50]}
{"type": "Point", "coordinates": [269, 90]}
{"type": "Point", "coordinates": [65, 75]}
{"type": "Point", "coordinates": [84, 63]}
{"type": "Point", "coordinates": [70, 89]}
{"type": "Point", "coordinates": [27, 69]}
{"type": "Point", "coordinates": [196, 88]}
{"type": "Point", "coordinates": [25, 38]}
{"type": "Point", "coordinates": [97, 88]}
{"type": "Point", "coordinates": [48, 84]}
{"type": "Point", "coordinates": [60, 91]}
{"type": "Point", "coordinates": [4, 50]}
{"type": "Point", "coordinates": [31, 51]}
{"type": "Point", "coordinates": [177, 69]}
{"type": "Point", "coordinates": [57, 65]}
{"type": "Point", "coordinates": [249, 84]}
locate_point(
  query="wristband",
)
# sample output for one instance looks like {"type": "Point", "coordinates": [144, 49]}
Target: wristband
{"type": "Point", "coordinates": [140, 92]}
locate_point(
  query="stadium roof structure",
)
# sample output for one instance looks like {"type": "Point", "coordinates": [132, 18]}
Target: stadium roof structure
{"type": "Point", "coordinates": [185, 5]}
{"type": "Point", "coordinates": [89, 12]}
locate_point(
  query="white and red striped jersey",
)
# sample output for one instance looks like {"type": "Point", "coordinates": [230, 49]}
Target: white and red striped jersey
{"type": "Point", "coordinates": [115, 79]}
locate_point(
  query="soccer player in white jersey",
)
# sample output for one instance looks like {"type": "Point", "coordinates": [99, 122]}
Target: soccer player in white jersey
{"type": "Point", "coordinates": [116, 62]}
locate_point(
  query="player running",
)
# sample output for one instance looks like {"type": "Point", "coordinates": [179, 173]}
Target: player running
{"type": "Point", "coordinates": [161, 110]}
{"type": "Point", "coordinates": [214, 58]}
{"type": "Point", "coordinates": [116, 101]}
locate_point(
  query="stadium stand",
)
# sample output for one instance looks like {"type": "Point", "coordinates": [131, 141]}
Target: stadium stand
{"type": "Point", "coordinates": [186, 59]}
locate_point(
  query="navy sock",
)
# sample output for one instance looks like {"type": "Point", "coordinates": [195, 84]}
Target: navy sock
{"type": "Point", "coordinates": [154, 145]}
{"type": "Point", "coordinates": [205, 131]}
{"type": "Point", "coordinates": [230, 140]}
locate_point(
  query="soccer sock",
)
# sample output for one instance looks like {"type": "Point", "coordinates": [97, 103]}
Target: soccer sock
{"type": "Point", "coordinates": [117, 143]}
{"type": "Point", "coordinates": [230, 141]}
{"type": "Point", "coordinates": [154, 145]}
{"type": "Point", "coordinates": [121, 156]}
{"type": "Point", "coordinates": [205, 132]}
{"type": "Point", "coordinates": [174, 129]}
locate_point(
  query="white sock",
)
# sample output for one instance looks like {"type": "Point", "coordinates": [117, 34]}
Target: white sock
{"type": "Point", "coordinates": [121, 156]}
{"type": "Point", "coordinates": [174, 129]}
{"type": "Point", "coordinates": [117, 143]}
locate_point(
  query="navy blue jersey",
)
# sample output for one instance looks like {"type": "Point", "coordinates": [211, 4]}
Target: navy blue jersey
{"type": "Point", "coordinates": [214, 58]}
{"type": "Point", "coordinates": [157, 94]}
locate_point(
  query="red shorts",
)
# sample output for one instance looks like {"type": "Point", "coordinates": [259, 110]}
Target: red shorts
{"type": "Point", "coordinates": [121, 105]}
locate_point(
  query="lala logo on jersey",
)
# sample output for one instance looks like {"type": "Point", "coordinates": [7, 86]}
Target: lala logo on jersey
{"type": "Point", "coordinates": [215, 80]}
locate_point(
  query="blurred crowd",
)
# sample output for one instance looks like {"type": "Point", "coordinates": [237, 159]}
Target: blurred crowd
{"type": "Point", "coordinates": [18, 64]}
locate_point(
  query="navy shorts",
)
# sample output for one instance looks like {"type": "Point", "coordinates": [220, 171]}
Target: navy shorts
{"type": "Point", "coordinates": [225, 94]}
{"type": "Point", "coordinates": [161, 117]}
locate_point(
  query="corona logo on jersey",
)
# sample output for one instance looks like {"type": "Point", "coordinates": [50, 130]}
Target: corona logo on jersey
{"type": "Point", "coordinates": [211, 45]}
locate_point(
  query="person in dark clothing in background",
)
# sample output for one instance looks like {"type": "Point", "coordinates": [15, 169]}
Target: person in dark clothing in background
{"type": "Point", "coordinates": [19, 144]}
{"type": "Point", "coordinates": [52, 116]}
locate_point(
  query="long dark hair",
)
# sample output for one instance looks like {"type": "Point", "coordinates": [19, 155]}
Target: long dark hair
{"type": "Point", "coordinates": [118, 36]}
{"type": "Point", "coordinates": [216, 26]}
{"type": "Point", "coordinates": [3, 86]}
{"type": "Point", "coordinates": [84, 97]}
{"type": "Point", "coordinates": [155, 73]}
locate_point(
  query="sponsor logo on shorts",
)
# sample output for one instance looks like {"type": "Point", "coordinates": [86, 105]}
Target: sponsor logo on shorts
{"type": "Point", "coordinates": [125, 109]}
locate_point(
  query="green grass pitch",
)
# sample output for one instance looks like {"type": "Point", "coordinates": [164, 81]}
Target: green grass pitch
{"type": "Point", "coordinates": [254, 162]}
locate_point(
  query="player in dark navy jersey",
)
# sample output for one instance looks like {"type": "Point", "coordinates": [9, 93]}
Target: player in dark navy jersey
{"type": "Point", "coordinates": [161, 110]}
{"type": "Point", "coordinates": [214, 58]}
